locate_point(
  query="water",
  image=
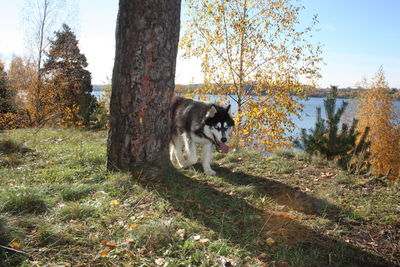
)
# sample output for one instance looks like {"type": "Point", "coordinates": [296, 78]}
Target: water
{"type": "Point", "coordinates": [309, 114]}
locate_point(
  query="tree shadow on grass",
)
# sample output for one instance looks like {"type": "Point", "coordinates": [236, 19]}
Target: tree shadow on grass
{"type": "Point", "coordinates": [285, 195]}
{"type": "Point", "coordinates": [235, 219]}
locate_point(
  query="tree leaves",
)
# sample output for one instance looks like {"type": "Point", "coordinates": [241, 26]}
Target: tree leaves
{"type": "Point", "coordinates": [376, 110]}
{"type": "Point", "coordinates": [252, 53]}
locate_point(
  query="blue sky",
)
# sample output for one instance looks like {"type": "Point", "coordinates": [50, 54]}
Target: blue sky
{"type": "Point", "coordinates": [357, 35]}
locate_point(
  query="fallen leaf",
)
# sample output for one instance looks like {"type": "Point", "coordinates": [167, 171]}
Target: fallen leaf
{"type": "Point", "coordinates": [208, 211]}
{"type": "Point", "coordinates": [15, 245]}
{"type": "Point", "coordinates": [196, 237]}
{"type": "Point", "coordinates": [104, 253]}
{"type": "Point", "coordinates": [7, 159]}
{"type": "Point", "coordinates": [225, 262]}
{"type": "Point", "coordinates": [108, 243]}
{"type": "Point", "coordinates": [204, 241]}
{"type": "Point", "coordinates": [141, 250]}
{"type": "Point", "coordinates": [181, 233]}
{"type": "Point", "coordinates": [289, 217]}
{"type": "Point", "coordinates": [270, 241]}
{"type": "Point", "coordinates": [160, 261]}
{"type": "Point", "coordinates": [114, 202]}
{"type": "Point", "coordinates": [191, 201]}
{"type": "Point", "coordinates": [133, 226]}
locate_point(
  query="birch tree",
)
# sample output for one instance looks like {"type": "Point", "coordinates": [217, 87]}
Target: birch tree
{"type": "Point", "coordinates": [42, 18]}
{"type": "Point", "coordinates": [255, 53]}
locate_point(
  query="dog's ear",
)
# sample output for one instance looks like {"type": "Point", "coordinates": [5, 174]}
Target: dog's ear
{"type": "Point", "coordinates": [211, 112]}
{"type": "Point", "coordinates": [228, 108]}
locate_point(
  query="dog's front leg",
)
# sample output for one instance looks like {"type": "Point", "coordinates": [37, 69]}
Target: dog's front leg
{"type": "Point", "coordinates": [206, 159]}
{"type": "Point", "coordinates": [191, 150]}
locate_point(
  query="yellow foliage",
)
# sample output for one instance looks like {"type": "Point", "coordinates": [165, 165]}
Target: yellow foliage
{"type": "Point", "coordinates": [376, 110]}
{"type": "Point", "coordinates": [11, 121]}
{"type": "Point", "coordinates": [71, 117]}
{"type": "Point", "coordinates": [252, 53]}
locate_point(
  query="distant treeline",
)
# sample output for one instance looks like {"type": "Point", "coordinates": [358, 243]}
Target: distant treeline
{"type": "Point", "coordinates": [349, 92]}
{"type": "Point", "coordinates": [317, 92]}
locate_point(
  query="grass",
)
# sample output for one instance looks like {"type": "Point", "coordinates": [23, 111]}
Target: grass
{"type": "Point", "coordinates": [59, 205]}
{"type": "Point", "coordinates": [22, 201]}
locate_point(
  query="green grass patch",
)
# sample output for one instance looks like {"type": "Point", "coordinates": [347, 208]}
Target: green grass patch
{"type": "Point", "coordinates": [73, 211]}
{"type": "Point", "coordinates": [23, 201]}
{"type": "Point", "coordinates": [59, 203]}
{"type": "Point", "coordinates": [74, 192]}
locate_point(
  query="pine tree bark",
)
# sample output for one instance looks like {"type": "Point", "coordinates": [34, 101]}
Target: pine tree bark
{"type": "Point", "coordinates": [143, 83]}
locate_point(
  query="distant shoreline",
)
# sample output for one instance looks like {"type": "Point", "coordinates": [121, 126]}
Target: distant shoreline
{"type": "Point", "coordinates": [346, 93]}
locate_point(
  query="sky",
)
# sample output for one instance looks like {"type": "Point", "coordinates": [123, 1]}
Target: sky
{"type": "Point", "coordinates": [358, 36]}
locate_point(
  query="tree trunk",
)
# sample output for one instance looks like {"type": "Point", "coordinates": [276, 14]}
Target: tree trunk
{"type": "Point", "coordinates": [143, 83]}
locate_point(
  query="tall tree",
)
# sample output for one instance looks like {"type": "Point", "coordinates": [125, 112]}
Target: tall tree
{"type": "Point", "coordinates": [22, 79]}
{"type": "Point", "coordinates": [42, 16]}
{"type": "Point", "coordinates": [143, 83]}
{"type": "Point", "coordinates": [254, 52]}
{"type": "Point", "coordinates": [6, 94]}
{"type": "Point", "coordinates": [377, 111]}
{"type": "Point", "coordinates": [67, 77]}
{"type": "Point", "coordinates": [8, 110]}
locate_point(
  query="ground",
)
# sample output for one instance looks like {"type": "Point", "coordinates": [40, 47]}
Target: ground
{"type": "Point", "coordinates": [59, 205]}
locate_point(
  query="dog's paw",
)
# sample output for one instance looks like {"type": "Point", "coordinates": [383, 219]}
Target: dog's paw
{"type": "Point", "coordinates": [210, 172]}
{"type": "Point", "coordinates": [183, 164]}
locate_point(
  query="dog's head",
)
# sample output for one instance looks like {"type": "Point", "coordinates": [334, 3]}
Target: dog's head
{"type": "Point", "coordinates": [218, 126]}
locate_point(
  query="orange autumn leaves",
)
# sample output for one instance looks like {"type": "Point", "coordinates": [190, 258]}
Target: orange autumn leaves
{"type": "Point", "coordinates": [377, 111]}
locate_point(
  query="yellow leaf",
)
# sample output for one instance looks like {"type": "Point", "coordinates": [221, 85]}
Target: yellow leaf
{"type": "Point", "coordinates": [15, 245]}
{"type": "Point", "coordinates": [133, 226]}
{"type": "Point", "coordinates": [104, 253]}
{"type": "Point", "coordinates": [270, 241]}
{"type": "Point", "coordinates": [114, 202]}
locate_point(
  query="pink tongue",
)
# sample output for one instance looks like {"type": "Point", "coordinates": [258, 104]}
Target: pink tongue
{"type": "Point", "coordinates": [224, 148]}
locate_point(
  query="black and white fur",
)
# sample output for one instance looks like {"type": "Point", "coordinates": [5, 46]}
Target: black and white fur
{"type": "Point", "coordinates": [201, 123]}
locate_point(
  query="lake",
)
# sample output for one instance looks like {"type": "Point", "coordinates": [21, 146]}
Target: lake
{"type": "Point", "coordinates": [309, 113]}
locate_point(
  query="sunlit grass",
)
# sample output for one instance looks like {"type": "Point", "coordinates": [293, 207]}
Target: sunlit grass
{"type": "Point", "coordinates": [59, 203]}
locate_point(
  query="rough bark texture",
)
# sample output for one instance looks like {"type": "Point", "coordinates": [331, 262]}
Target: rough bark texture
{"type": "Point", "coordinates": [147, 38]}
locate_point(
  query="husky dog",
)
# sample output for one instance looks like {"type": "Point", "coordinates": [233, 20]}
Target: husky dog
{"type": "Point", "coordinates": [199, 123]}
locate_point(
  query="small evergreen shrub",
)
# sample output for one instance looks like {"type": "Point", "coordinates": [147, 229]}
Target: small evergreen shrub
{"type": "Point", "coordinates": [327, 140]}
